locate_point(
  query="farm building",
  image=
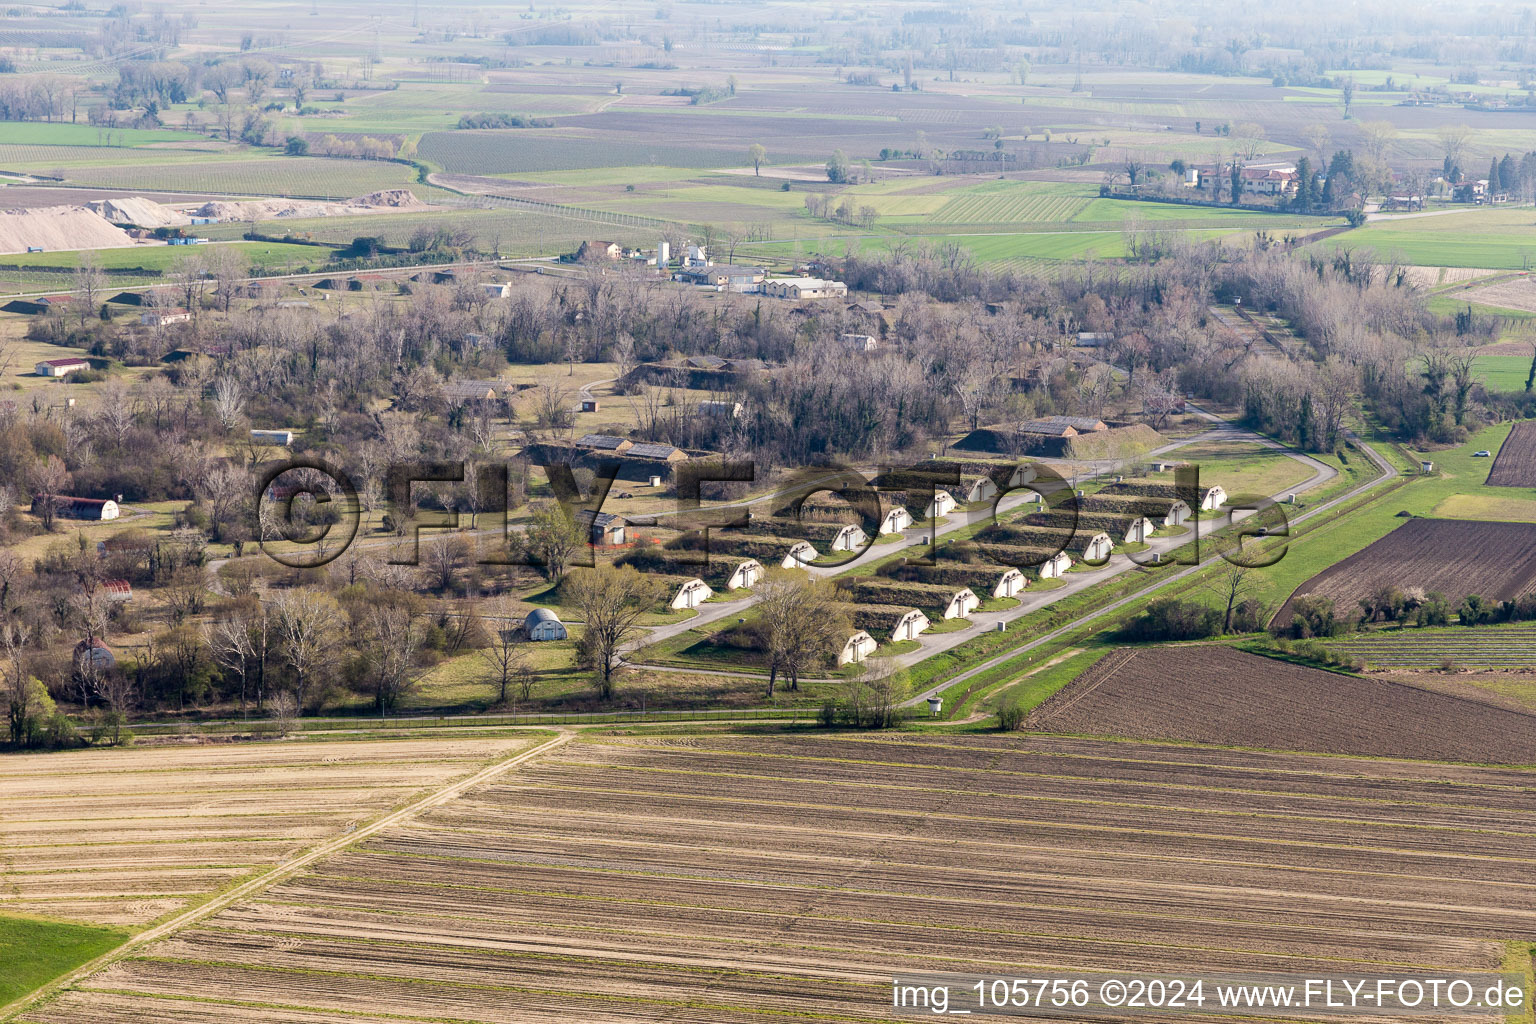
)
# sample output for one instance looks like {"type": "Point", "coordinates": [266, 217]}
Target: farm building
{"type": "Point", "coordinates": [496, 289]}
{"type": "Point", "coordinates": [1063, 426]}
{"type": "Point", "coordinates": [1087, 544]}
{"type": "Point", "coordinates": [604, 529]}
{"type": "Point", "coordinates": [1161, 511]}
{"type": "Point", "coordinates": [745, 574]}
{"type": "Point", "coordinates": [834, 536]}
{"type": "Point", "coordinates": [909, 625]}
{"type": "Point", "coordinates": [705, 362]}
{"type": "Point", "coordinates": [1128, 527]}
{"type": "Point", "coordinates": [543, 624]}
{"type": "Point", "coordinates": [117, 591]}
{"type": "Point", "coordinates": [656, 452]}
{"type": "Point", "coordinates": [950, 601]}
{"type": "Point", "coordinates": [590, 405]}
{"type": "Point", "coordinates": [282, 437]}
{"type": "Point", "coordinates": [896, 520]}
{"type": "Point", "coordinates": [60, 367]}
{"type": "Point", "coordinates": [804, 288]}
{"type": "Point", "coordinates": [39, 305]}
{"type": "Point", "coordinates": [1094, 339]}
{"type": "Point", "coordinates": [1042, 563]}
{"type": "Point", "coordinates": [859, 342]}
{"type": "Point", "coordinates": [785, 552]}
{"type": "Point", "coordinates": [165, 317]}
{"type": "Point", "coordinates": [592, 251]}
{"type": "Point", "coordinates": [465, 392]}
{"type": "Point", "coordinates": [720, 410]}
{"type": "Point", "coordinates": [604, 443]}
{"type": "Point", "coordinates": [94, 654]}
{"type": "Point", "coordinates": [992, 580]}
{"type": "Point", "coordinates": [722, 277]}
{"type": "Point", "coordinates": [858, 647]}
{"type": "Point", "coordinates": [690, 594]}
{"type": "Point", "coordinates": [92, 509]}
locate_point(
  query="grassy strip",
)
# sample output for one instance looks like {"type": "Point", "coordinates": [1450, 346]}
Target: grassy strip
{"type": "Point", "coordinates": [34, 951]}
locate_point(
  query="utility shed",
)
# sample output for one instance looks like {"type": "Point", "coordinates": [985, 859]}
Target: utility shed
{"type": "Point", "coordinates": [543, 624]}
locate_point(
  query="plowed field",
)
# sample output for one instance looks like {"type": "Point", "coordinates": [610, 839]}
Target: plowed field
{"type": "Point", "coordinates": [1213, 694]}
{"type": "Point", "coordinates": [1456, 557]}
{"type": "Point", "coordinates": [722, 879]}
{"type": "Point", "coordinates": [1515, 465]}
{"type": "Point", "coordinates": [126, 836]}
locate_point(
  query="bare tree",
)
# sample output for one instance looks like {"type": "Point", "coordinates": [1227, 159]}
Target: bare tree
{"type": "Point", "coordinates": [1249, 138]}
{"type": "Point", "coordinates": [396, 635]}
{"type": "Point", "coordinates": [307, 622]}
{"type": "Point", "coordinates": [504, 656]}
{"type": "Point", "coordinates": [228, 401]}
{"type": "Point", "coordinates": [1318, 136]}
{"type": "Point", "coordinates": [233, 648]}
{"type": "Point", "coordinates": [612, 602]}
{"type": "Point", "coordinates": [442, 560]}
{"type": "Point", "coordinates": [802, 621]}
{"type": "Point", "coordinates": [552, 405]}
{"type": "Point", "coordinates": [1233, 583]}
{"type": "Point", "coordinates": [1378, 136]}
{"type": "Point", "coordinates": [114, 410]}
{"type": "Point", "coordinates": [1453, 142]}
{"type": "Point", "coordinates": [48, 479]}
{"type": "Point", "coordinates": [24, 695]}
{"type": "Point", "coordinates": [90, 286]}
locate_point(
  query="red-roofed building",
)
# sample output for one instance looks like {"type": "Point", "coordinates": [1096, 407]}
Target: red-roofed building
{"type": "Point", "coordinates": [61, 367]}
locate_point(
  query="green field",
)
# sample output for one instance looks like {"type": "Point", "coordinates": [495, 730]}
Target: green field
{"type": "Point", "coordinates": [34, 952]}
{"type": "Point", "coordinates": [1502, 373]}
{"type": "Point", "coordinates": [1457, 473]}
{"type": "Point", "coordinates": [1498, 238]}
{"type": "Point", "coordinates": [39, 133]}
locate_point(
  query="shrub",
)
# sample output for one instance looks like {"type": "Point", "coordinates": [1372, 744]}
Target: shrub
{"type": "Point", "coordinates": [1010, 717]}
{"type": "Point", "coordinates": [1168, 618]}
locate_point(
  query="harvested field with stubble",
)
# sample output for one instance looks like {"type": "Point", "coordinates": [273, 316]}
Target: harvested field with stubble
{"type": "Point", "coordinates": [122, 837]}
{"type": "Point", "coordinates": [1515, 464]}
{"type": "Point", "coordinates": [1214, 694]}
{"type": "Point", "coordinates": [1455, 557]}
{"type": "Point", "coordinates": [726, 878]}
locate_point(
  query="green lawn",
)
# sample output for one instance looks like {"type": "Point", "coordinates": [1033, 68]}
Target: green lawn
{"type": "Point", "coordinates": [33, 952]}
{"type": "Point", "coordinates": [1500, 238]}
{"type": "Point", "coordinates": [1502, 373]}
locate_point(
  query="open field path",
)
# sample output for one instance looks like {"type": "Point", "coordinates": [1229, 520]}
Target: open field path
{"type": "Point", "coordinates": [284, 871]}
